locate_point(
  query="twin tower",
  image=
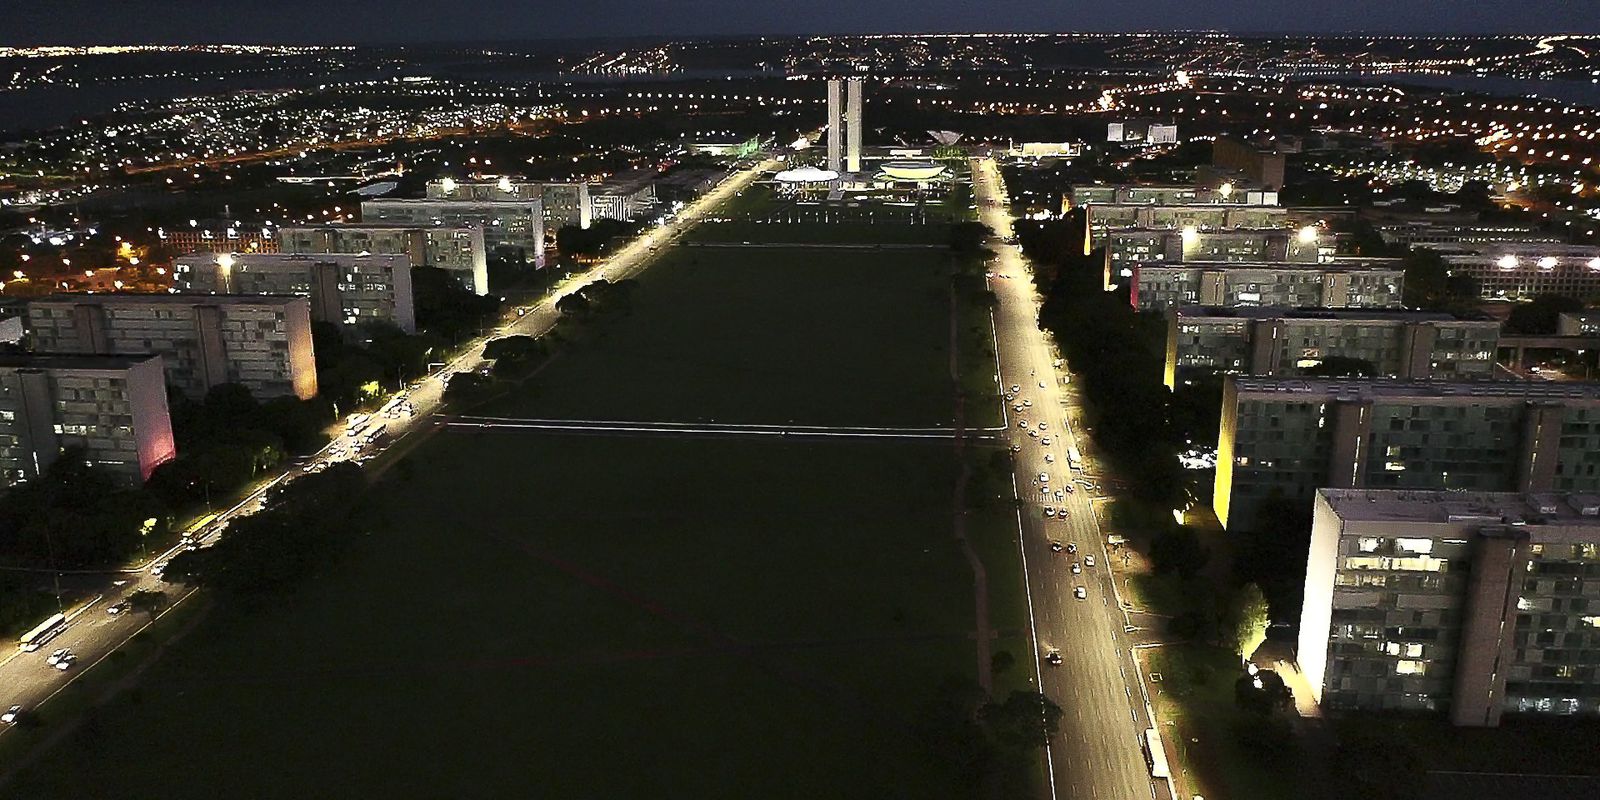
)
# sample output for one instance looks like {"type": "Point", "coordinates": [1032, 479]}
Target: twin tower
{"type": "Point", "coordinates": [850, 131]}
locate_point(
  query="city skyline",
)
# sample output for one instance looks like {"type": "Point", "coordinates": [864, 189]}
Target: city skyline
{"type": "Point", "coordinates": [413, 22]}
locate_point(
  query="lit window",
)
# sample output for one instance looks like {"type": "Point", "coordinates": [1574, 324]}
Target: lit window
{"type": "Point", "coordinates": [1411, 668]}
{"type": "Point", "coordinates": [1415, 545]}
{"type": "Point", "coordinates": [1370, 544]}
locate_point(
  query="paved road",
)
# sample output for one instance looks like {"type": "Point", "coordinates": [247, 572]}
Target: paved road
{"type": "Point", "coordinates": [92, 634]}
{"type": "Point", "coordinates": [1097, 754]}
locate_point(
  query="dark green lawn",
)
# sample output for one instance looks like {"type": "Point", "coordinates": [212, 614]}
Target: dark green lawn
{"type": "Point", "coordinates": [539, 615]}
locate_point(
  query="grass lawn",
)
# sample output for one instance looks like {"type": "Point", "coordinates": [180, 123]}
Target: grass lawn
{"type": "Point", "coordinates": [592, 616]}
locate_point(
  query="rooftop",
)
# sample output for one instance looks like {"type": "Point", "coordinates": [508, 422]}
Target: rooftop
{"type": "Point", "coordinates": [359, 226]}
{"type": "Point", "coordinates": [1338, 265]}
{"type": "Point", "coordinates": [1375, 388]}
{"type": "Point", "coordinates": [289, 259]}
{"type": "Point", "coordinates": [1346, 314]}
{"type": "Point", "coordinates": [168, 299]}
{"type": "Point", "coordinates": [70, 361]}
{"type": "Point", "coordinates": [1445, 505]}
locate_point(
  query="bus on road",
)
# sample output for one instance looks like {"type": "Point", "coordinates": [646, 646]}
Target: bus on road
{"type": "Point", "coordinates": [47, 630]}
{"type": "Point", "coordinates": [1074, 460]}
{"type": "Point", "coordinates": [1155, 756]}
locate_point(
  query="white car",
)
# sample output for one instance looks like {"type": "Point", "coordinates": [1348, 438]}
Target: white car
{"type": "Point", "coordinates": [1015, 388]}
{"type": "Point", "coordinates": [1043, 425]}
{"type": "Point", "coordinates": [55, 658]}
{"type": "Point", "coordinates": [65, 662]}
{"type": "Point", "coordinates": [1049, 511]}
{"type": "Point", "coordinates": [1045, 441]}
{"type": "Point", "coordinates": [117, 608]}
{"type": "Point", "coordinates": [1088, 561]}
{"type": "Point", "coordinates": [1076, 568]}
{"type": "Point", "coordinates": [1044, 477]}
{"type": "Point", "coordinates": [1027, 403]}
{"type": "Point", "coordinates": [12, 715]}
{"type": "Point", "coordinates": [1022, 423]}
{"type": "Point", "coordinates": [1041, 384]}
{"type": "Point", "coordinates": [1081, 593]}
{"type": "Point", "coordinates": [1034, 434]}
{"type": "Point", "coordinates": [1049, 459]}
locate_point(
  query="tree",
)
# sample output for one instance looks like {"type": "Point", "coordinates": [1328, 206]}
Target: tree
{"type": "Point", "coordinates": [968, 237]}
{"type": "Point", "coordinates": [951, 737]}
{"type": "Point", "coordinates": [1245, 625]}
{"type": "Point", "coordinates": [1024, 721]}
{"type": "Point", "coordinates": [574, 304]}
{"type": "Point", "coordinates": [1541, 315]}
{"type": "Point", "coordinates": [148, 600]}
{"type": "Point", "coordinates": [1178, 550]}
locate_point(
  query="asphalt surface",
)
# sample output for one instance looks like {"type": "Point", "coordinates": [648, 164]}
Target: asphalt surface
{"type": "Point", "coordinates": [1098, 753]}
{"type": "Point", "coordinates": [92, 633]}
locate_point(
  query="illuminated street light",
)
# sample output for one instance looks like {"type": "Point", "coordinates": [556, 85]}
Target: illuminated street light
{"type": "Point", "coordinates": [1548, 262]}
{"type": "Point", "coordinates": [1507, 262]}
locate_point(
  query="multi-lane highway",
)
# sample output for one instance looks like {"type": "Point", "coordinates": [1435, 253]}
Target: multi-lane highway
{"type": "Point", "coordinates": [92, 633]}
{"type": "Point", "coordinates": [1097, 755]}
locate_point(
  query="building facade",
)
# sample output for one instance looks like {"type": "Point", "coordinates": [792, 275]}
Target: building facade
{"type": "Point", "coordinates": [1256, 165]}
{"type": "Point", "coordinates": [1508, 271]}
{"type": "Point", "coordinates": [1127, 249]}
{"type": "Point", "coordinates": [565, 202]}
{"type": "Point", "coordinates": [344, 289]}
{"type": "Point", "coordinates": [1471, 604]}
{"type": "Point", "coordinates": [260, 342]}
{"type": "Point", "coordinates": [626, 195]}
{"type": "Point", "coordinates": [112, 407]}
{"type": "Point", "coordinates": [1282, 439]}
{"type": "Point", "coordinates": [457, 249]}
{"type": "Point", "coordinates": [1340, 284]}
{"type": "Point", "coordinates": [1285, 341]}
{"type": "Point", "coordinates": [514, 228]}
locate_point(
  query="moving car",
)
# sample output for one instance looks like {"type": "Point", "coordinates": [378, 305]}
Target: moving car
{"type": "Point", "coordinates": [117, 608]}
{"type": "Point", "coordinates": [1053, 658]}
{"type": "Point", "coordinates": [1022, 423]}
{"type": "Point", "coordinates": [1088, 561]}
{"type": "Point", "coordinates": [1049, 511]}
{"type": "Point", "coordinates": [65, 662]}
{"type": "Point", "coordinates": [1055, 547]}
{"type": "Point", "coordinates": [1045, 441]}
{"type": "Point", "coordinates": [1049, 459]}
{"type": "Point", "coordinates": [1027, 403]}
{"type": "Point", "coordinates": [55, 658]}
{"type": "Point", "coordinates": [12, 715]}
{"type": "Point", "coordinates": [1072, 548]}
{"type": "Point", "coordinates": [1076, 568]}
{"type": "Point", "coordinates": [1044, 477]}
{"type": "Point", "coordinates": [1081, 593]}
{"type": "Point", "coordinates": [1043, 425]}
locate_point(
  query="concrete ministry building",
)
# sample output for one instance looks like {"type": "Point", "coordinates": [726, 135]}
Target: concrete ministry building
{"type": "Point", "coordinates": [1343, 283]}
{"type": "Point", "coordinates": [457, 249]}
{"type": "Point", "coordinates": [1512, 271]}
{"type": "Point", "coordinates": [1474, 604]}
{"type": "Point", "coordinates": [1129, 248]}
{"type": "Point", "coordinates": [344, 289]}
{"type": "Point", "coordinates": [1288, 437]}
{"type": "Point", "coordinates": [565, 202]}
{"type": "Point", "coordinates": [260, 342]}
{"type": "Point", "coordinates": [1284, 341]}
{"type": "Point", "coordinates": [1166, 195]}
{"type": "Point", "coordinates": [512, 227]}
{"type": "Point", "coordinates": [114, 407]}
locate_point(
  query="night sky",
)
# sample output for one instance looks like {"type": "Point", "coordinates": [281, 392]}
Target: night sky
{"type": "Point", "coordinates": [362, 21]}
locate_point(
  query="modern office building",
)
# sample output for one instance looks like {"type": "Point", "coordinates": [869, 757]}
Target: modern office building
{"type": "Point", "coordinates": [626, 195]}
{"type": "Point", "coordinates": [852, 121]}
{"type": "Point", "coordinates": [565, 202]}
{"type": "Point", "coordinates": [113, 407]}
{"type": "Point", "coordinates": [1288, 437]}
{"type": "Point", "coordinates": [1343, 283]}
{"type": "Point", "coordinates": [1471, 604]}
{"type": "Point", "coordinates": [1141, 132]}
{"type": "Point", "coordinates": [1128, 247]}
{"type": "Point", "coordinates": [261, 342]}
{"type": "Point", "coordinates": [836, 125]}
{"type": "Point", "coordinates": [1204, 217]}
{"type": "Point", "coordinates": [515, 228]}
{"type": "Point", "coordinates": [1166, 195]}
{"type": "Point", "coordinates": [1455, 231]}
{"type": "Point", "coordinates": [1282, 342]}
{"type": "Point", "coordinates": [1522, 271]}
{"type": "Point", "coordinates": [219, 240]}
{"type": "Point", "coordinates": [457, 249]}
{"type": "Point", "coordinates": [1257, 166]}
{"type": "Point", "coordinates": [344, 289]}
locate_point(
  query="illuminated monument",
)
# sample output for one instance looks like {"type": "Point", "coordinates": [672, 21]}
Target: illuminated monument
{"type": "Point", "coordinates": [844, 130]}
